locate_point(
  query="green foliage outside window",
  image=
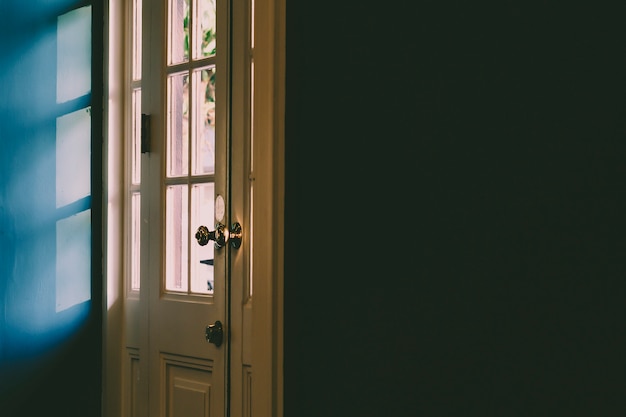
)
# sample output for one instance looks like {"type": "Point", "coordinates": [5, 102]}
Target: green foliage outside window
{"type": "Point", "coordinates": [208, 48]}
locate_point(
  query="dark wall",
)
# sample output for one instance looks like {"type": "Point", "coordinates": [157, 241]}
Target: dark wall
{"type": "Point", "coordinates": [454, 209]}
{"type": "Point", "coordinates": [50, 296]}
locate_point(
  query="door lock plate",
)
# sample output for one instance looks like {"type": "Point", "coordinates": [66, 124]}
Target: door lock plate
{"type": "Point", "coordinates": [215, 333]}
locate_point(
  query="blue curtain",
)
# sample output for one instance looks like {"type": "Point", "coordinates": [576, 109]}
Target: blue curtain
{"type": "Point", "coordinates": [50, 343]}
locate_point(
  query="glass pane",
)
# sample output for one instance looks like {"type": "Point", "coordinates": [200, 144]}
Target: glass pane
{"type": "Point", "coordinates": [252, 8]}
{"type": "Point", "coordinates": [176, 238]}
{"type": "Point", "coordinates": [204, 121]}
{"type": "Point", "coordinates": [202, 198]}
{"type": "Point", "coordinates": [73, 157]}
{"type": "Point", "coordinates": [178, 36]}
{"type": "Point", "coordinates": [74, 54]}
{"type": "Point", "coordinates": [135, 229]}
{"type": "Point", "coordinates": [205, 30]}
{"type": "Point", "coordinates": [178, 125]}
{"type": "Point", "coordinates": [136, 137]}
{"type": "Point", "coordinates": [137, 29]}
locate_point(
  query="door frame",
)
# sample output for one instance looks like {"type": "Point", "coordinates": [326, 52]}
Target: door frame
{"type": "Point", "coordinates": [268, 120]}
{"type": "Point", "coordinates": [268, 150]}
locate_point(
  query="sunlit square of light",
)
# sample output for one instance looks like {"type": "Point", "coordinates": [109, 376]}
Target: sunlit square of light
{"type": "Point", "coordinates": [73, 157]}
{"type": "Point", "coordinates": [74, 54]}
{"type": "Point", "coordinates": [73, 260]}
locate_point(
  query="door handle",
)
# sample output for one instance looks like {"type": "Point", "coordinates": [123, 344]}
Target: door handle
{"type": "Point", "coordinates": [221, 235]}
{"type": "Point", "coordinates": [215, 333]}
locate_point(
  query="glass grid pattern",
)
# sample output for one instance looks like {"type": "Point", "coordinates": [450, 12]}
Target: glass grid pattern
{"type": "Point", "coordinates": [190, 145]}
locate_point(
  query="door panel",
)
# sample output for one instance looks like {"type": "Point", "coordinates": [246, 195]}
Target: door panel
{"type": "Point", "coordinates": [169, 362]}
{"type": "Point", "coordinates": [187, 387]}
{"type": "Point", "coordinates": [183, 286]}
{"type": "Point", "coordinates": [186, 295]}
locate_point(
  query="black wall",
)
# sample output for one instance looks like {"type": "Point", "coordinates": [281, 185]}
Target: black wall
{"type": "Point", "coordinates": [454, 209]}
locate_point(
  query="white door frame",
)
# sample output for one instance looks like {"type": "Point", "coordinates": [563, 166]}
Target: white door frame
{"type": "Point", "coordinates": [266, 310]}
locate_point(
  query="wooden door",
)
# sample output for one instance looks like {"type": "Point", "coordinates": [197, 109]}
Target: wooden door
{"type": "Point", "coordinates": [167, 366]}
{"type": "Point", "coordinates": [182, 288]}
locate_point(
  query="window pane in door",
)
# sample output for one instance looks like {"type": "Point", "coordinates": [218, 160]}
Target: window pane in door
{"type": "Point", "coordinates": [204, 121]}
{"type": "Point", "coordinates": [176, 238]}
{"type": "Point", "coordinates": [202, 198]}
{"type": "Point", "coordinates": [136, 33]}
{"type": "Point", "coordinates": [205, 30]}
{"type": "Point", "coordinates": [136, 137]}
{"type": "Point", "coordinates": [135, 230]}
{"type": "Point", "coordinates": [178, 125]}
{"type": "Point", "coordinates": [178, 34]}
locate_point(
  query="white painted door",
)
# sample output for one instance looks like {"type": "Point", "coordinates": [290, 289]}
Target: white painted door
{"type": "Point", "coordinates": [193, 158]}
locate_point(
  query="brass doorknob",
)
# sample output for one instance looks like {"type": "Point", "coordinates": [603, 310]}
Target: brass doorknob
{"type": "Point", "coordinates": [221, 235]}
{"type": "Point", "coordinates": [203, 235]}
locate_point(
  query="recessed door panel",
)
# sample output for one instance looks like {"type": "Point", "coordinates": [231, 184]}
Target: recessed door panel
{"type": "Point", "coordinates": [186, 386]}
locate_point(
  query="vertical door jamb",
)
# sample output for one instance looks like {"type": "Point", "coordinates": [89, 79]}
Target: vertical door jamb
{"type": "Point", "coordinates": [268, 207]}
